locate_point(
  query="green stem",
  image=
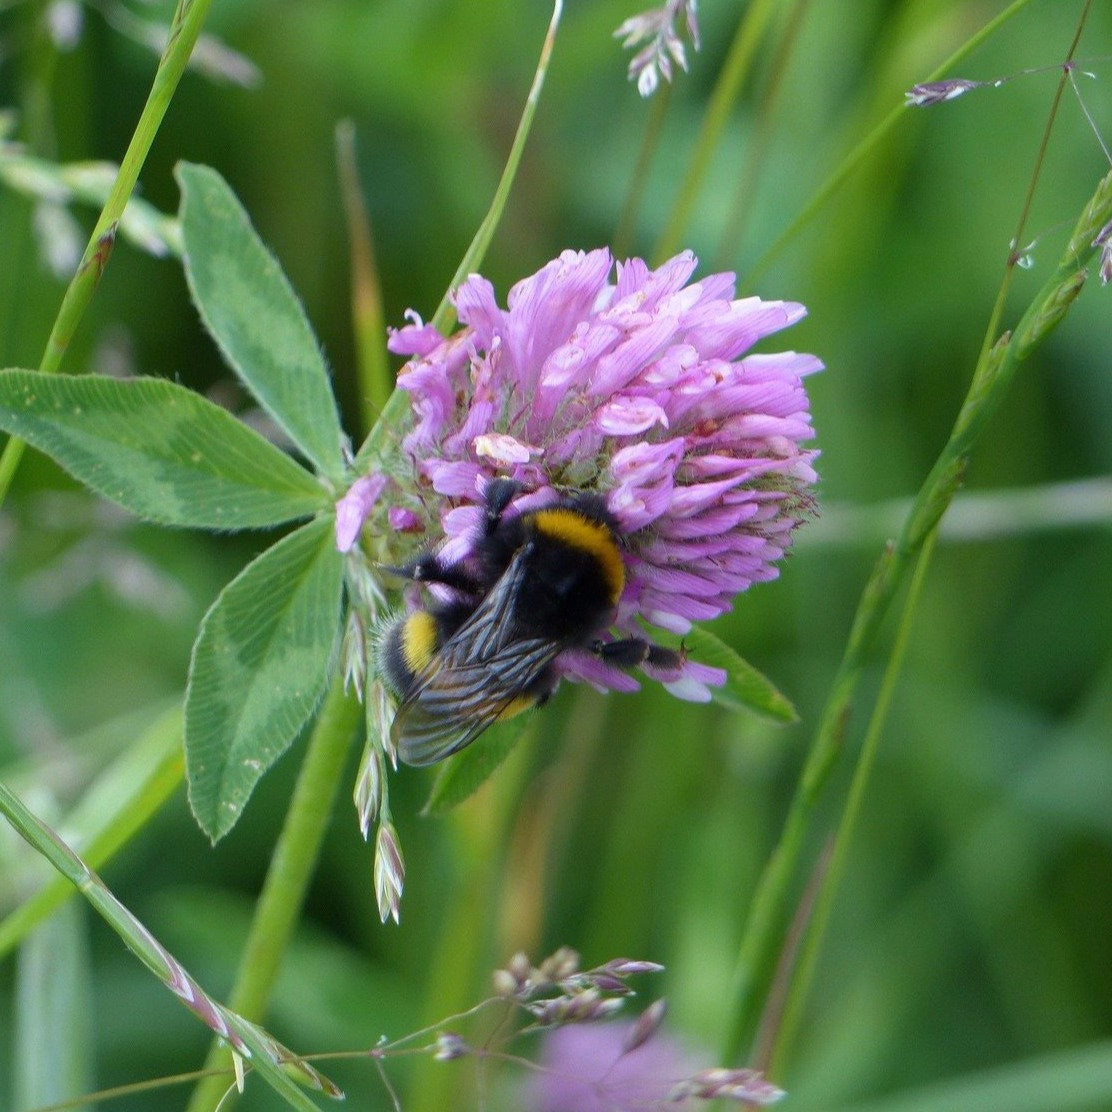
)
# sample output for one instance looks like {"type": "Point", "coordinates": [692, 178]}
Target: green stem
{"type": "Point", "coordinates": [184, 31]}
{"type": "Point", "coordinates": [734, 71]}
{"type": "Point", "coordinates": [859, 153]}
{"type": "Point", "coordinates": [372, 364]}
{"type": "Point", "coordinates": [380, 443]}
{"type": "Point", "coordinates": [291, 869]}
{"type": "Point", "coordinates": [445, 316]}
{"type": "Point", "coordinates": [89, 183]}
{"type": "Point", "coordinates": [801, 977]}
{"type": "Point", "coordinates": [991, 380]}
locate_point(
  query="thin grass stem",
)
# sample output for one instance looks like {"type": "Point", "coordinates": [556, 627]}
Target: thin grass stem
{"type": "Point", "coordinates": [134, 1088]}
{"type": "Point", "coordinates": [735, 69]}
{"type": "Point", "coordinates": [185, 27]}
{"type": "Point", "coordinates": [372, 365]}
{"type": "Point", "coordinates": [990, 381]}
{"type": "Point", "coordinates": [445, 316]}
{"type": "Point", "coordinates": [467, 921]}
{"type": "Point", "coordinates": [268, 1057]}
{"type": "Point", "coordinates": [382, 440]}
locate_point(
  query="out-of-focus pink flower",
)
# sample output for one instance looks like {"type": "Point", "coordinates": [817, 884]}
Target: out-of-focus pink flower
{"type": "Point", "coordinates": [585, 1069]}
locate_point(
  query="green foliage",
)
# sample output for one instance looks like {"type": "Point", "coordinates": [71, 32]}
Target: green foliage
{"type": "Point", "coordinates": [965, 962]}
{"type": "Point", "coordinates": [252, 313]}
{"type": "Point", "coordinates": [746, 688]}
{"type": "Point", "coordinates": [158, 449]}
{"type": "Point", "coordinates": [461, 776]}
{"type": "Point", "coordinates": [259, 669]}
{"type": "Point", "coordinates": [268, 645]}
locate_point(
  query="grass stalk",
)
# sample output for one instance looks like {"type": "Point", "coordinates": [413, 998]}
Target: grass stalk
{"type": "Point", "coordinates": [185, 27]}
{"type": "Point", "coordinates": [381, 442]}
{"type": "Point", "coordinates": [990, 383]}
{"type": "Point", "coordinates": [273, 1062]}
{"type": "Point", "coordinates": [291, 868]}
{"type": "Point", "coordinates": [372, 365]}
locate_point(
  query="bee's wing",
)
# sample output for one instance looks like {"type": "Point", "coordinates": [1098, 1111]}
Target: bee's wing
{"type": "Point", "coordinates": [454, 704]}
{"type": "Point", "coordinates": [475, 676]}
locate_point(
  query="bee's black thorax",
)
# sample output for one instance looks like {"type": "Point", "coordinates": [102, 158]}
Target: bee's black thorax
{"type": "Point", "coordinates": [536, 583]}
{"type": "Point", "coordinates": [564, 593]}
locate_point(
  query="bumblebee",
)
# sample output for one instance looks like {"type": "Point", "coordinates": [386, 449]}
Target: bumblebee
{"type": "Point", "coordinates": [538, 583]}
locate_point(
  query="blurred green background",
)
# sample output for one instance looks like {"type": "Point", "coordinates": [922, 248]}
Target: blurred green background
{"type": "Point", "coordinates": [973, 932]}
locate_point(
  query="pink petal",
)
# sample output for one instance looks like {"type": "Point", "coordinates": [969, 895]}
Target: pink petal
{"type": "Point", "coordinates": [352, 509]}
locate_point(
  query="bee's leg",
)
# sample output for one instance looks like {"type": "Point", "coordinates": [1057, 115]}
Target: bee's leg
{"type": "Point", "coordinates": [543, 686]}
{"type": "Point", "coordinates": [431, 569]}
{"type": "Point", "coordinates": [500, 537]}
{"type": "Point", "coordinates": [634, 651]}
{"type": "Point", "coordinates": [493, 549]}
{"type": "Point", "coordinates": [498, 495]}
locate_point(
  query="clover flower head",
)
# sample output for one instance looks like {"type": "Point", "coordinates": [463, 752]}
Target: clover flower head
{"type": "Point", "coordinates": [634, 383]}
{"type": "Point", "coordinates": [633, 1067]}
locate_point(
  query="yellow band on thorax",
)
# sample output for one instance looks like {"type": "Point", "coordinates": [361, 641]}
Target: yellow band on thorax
{"type": "Point", "coordinates": [580, 532]}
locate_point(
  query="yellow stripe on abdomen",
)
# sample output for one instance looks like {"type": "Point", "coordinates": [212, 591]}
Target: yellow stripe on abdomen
{"type": "Point", "coordinates": [516, 706]}
{"type": "Point", "coordinates": [418, 640]}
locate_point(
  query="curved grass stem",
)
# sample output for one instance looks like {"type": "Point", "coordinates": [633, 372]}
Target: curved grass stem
{"type": "Point", "coordinates": [990, 382]}
{"type": "Point", "coordinates": [270, 1059]}
{"type": "Point", "coordinates": [185, 27]}
{"type": "Point", "coordinates": [381, 440]}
